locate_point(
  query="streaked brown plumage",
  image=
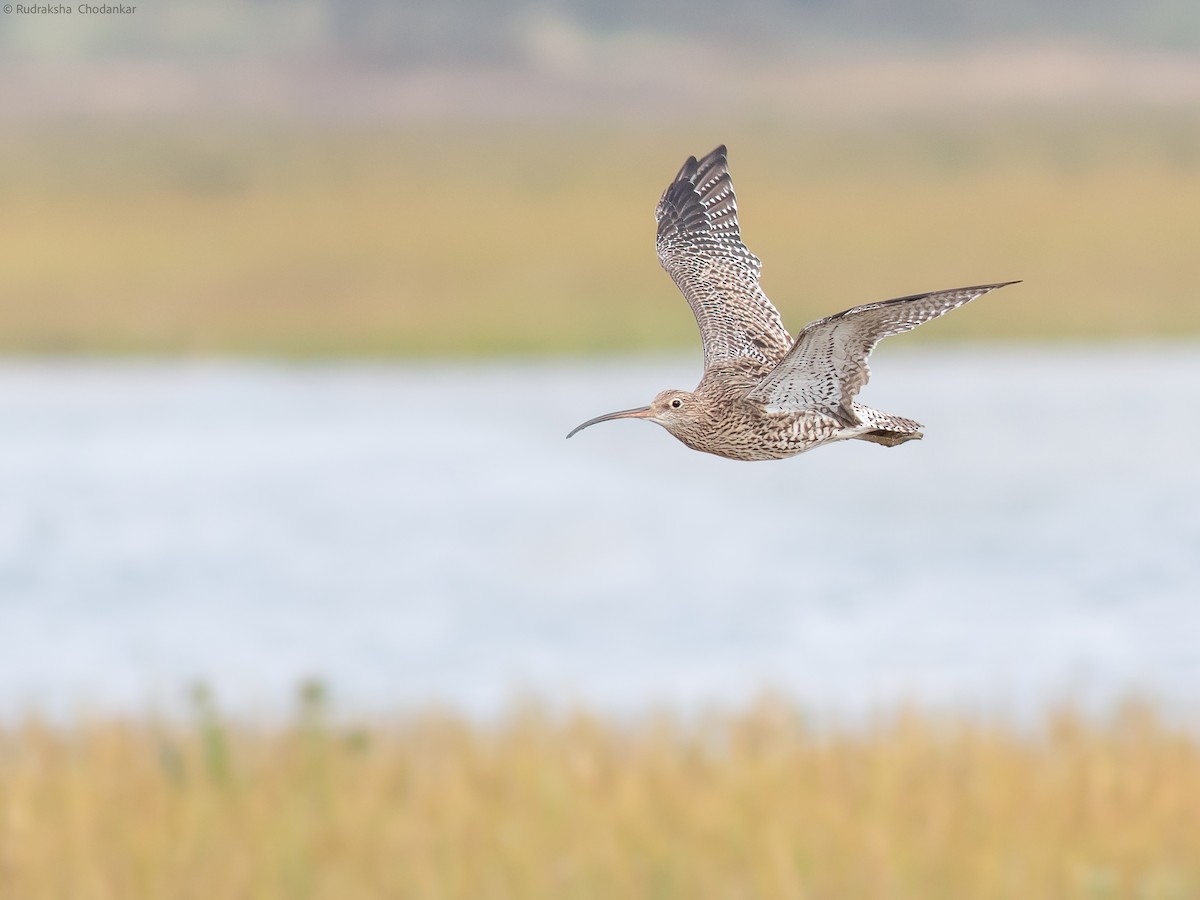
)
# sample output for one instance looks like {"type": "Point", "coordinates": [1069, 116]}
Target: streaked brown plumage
{"type": "Point", "coordinates": [763, 395]}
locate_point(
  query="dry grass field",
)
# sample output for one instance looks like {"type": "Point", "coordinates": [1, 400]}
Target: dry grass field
{"type": "Point", "coordinates": [212, 237]}
{"type": "Point", "coordinates": [757, 804]}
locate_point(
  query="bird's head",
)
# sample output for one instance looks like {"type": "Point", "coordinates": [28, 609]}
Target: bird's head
{"type": "Point", "coordinates": [670, 409]}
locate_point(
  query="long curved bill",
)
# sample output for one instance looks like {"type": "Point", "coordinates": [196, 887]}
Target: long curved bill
{"type": "Point", "coordinates": [640, 413]}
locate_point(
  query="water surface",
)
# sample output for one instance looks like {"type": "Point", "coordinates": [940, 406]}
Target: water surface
{"type": "Point", "coordinates": [423, 533]}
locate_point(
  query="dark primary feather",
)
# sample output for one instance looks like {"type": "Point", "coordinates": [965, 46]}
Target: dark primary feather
{"type": "Point", "coordinates": [700, 246]}
{"type": "Point", "coordinates": [827, 365]}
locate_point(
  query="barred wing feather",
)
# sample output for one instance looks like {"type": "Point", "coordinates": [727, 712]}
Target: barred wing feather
{"type": "Point", "coordinates": [827, 365]}
{"type": "Point", "coordinates": [700, 246]}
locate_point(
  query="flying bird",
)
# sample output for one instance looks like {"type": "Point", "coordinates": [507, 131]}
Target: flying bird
{"type": "Point", "coordinates": [764, 395]}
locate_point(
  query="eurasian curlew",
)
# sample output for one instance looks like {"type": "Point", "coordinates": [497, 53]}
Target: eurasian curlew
{"type": "Point", "coordinates": [763, 395]}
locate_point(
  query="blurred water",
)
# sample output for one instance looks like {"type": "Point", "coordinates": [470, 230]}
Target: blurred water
{"type": "Point", "coordinates": [419, 534]}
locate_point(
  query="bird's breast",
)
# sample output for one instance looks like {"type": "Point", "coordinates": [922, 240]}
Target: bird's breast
{"type": "Point", "coordinates": [744, 430]}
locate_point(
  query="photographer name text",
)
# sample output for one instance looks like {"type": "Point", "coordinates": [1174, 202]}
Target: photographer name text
{"type": "Point", "coordinates": [67, 9]}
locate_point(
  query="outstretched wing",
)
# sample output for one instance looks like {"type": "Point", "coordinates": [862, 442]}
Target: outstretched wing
{"type": "Point", "coordinates": [827, 366]}
{"type": "Point", "coordinates": [700, 246]}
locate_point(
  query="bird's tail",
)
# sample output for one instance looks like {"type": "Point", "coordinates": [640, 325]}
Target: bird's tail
{"type": "Point", "coordinates": [886, 429]}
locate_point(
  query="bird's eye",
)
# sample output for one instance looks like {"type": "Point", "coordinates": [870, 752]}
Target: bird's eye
{"type": "Point", "coordinates": [676, 403]}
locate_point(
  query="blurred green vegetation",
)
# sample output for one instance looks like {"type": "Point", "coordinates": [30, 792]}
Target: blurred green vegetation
{"type": "Point", "coordinates": [756, 803]}
{"type": "Point", "coordinates": [219, 237]}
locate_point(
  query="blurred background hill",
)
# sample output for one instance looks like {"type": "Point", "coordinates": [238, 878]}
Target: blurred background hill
{"type": "Point", "coordinates": [581, 59]}
{"type": "Point", "coordinates": [413, 32]}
